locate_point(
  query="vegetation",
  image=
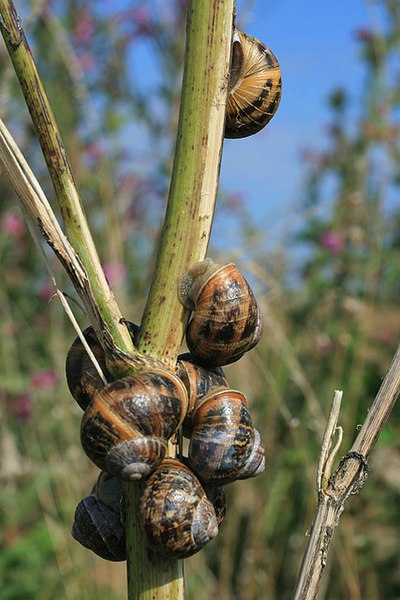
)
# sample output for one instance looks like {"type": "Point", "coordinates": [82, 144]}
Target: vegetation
{"type": "Point", "coordinates": [331, 320]}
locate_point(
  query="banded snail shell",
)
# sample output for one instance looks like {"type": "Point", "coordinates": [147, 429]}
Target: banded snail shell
{"type": "Point", "coordinates": [255, 87]}
{"type": "Point", "coordinates": [198, 382]}
{"type": "Point", "coordinates": [98, 521]}
{"type": "Point", "coordinates": [83, 379]}
{"type": "Point", "coordinates": [226, 320]}
{"type": "Point", "coordinates": [127, 425]}
{"type": "Point", "coordinates": [224, 445]}
{"type": "Point", "coordinates": [176, 515]}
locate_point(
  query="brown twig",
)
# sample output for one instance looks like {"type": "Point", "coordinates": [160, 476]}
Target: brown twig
{"type": "Point", "coordinates": [348, 479]}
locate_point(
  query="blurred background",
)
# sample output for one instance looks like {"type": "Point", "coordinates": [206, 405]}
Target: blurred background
{"type": "Point", "coordinates": [309, 211]}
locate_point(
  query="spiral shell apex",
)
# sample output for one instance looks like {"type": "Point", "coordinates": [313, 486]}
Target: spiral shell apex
{"type": "Point", "coordinates": [127, 425]}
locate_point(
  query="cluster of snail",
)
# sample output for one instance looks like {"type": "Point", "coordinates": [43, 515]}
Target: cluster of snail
{"type": "Point", "coordinates": [128, 423]}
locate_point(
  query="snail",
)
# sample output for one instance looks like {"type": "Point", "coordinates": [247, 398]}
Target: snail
{"type": "Point", "coordinates": [198, 381]}
{"type": "Point", "coordinates": [224, 446]}
{"type": "Point", "coordinates": [175, 513]}
{"type": "Point", "coordinates": [226, 321]}
{"type": "Point", "coordinates": [98, 522]}
{"type": "Point", "coordinates": [127, 425]}
{"type": "Point", "coordinates": [82, 378]}
{"type": "Point", "coordinates": [254, 89]}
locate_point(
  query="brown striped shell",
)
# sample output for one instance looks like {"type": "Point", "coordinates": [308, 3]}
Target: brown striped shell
{"type": "Point", "coordinates": [224, 446]}
{"type": "Point", "coordinates": [254, 87]}
{"type": "Point", "coordinates": [127, 425]}
{"type": "Point", "coordinates": [175, 513]}
{"type": "Point", "coordinates": [198, 382]}
{"type": "Point", "coordinates": [98, 521]}
{"type": "Point", "coordinates": [226, 320]}
{"type": "Point", "coordinates": [82, 378]}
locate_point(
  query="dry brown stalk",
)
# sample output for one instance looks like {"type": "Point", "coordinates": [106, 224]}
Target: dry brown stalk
{"type": "Point", "coordinates": [348, 479]}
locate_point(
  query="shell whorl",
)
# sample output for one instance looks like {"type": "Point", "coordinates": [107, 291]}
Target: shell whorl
{"type": "Point", "coordinates": [127, 425]}
{"type": "Point", "coordinates": [176, 515]}
{"type": "Point", "coordinates": [255, 87]}
{"type": "Point", "coordinates": [226, 320]}
{"type": "Point", "coordinates": [83, 379]}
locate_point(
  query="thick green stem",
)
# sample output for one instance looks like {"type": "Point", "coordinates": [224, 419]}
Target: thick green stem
{"type": "Point", "coordinates": [194, 181]}
{"type": "Point", "coordinates": [100, 303]}
{"type": "Point", "coordinates": [184, 237]}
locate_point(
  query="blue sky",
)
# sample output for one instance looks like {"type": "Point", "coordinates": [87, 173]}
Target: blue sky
{"type": "Point", "coordinates": [316, 47]}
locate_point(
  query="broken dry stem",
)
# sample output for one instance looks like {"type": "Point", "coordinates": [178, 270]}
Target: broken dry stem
{"type": "Point", "coordinates": [348, 479]}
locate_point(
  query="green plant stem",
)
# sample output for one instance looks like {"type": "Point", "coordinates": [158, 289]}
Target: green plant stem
{"type": "Point", "coordinates": [194, 182]}
{"type": "Point", "coordinates": [101, 305]}
{"type": "Point", "coordinates": [184, 239]}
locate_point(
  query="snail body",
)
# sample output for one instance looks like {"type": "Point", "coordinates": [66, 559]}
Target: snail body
{"type": "Point", "coordinates": [98, 522]}
{"type": "Point", "coordinates": [175, 513]}
{"type": "Point", "coordinates": [127, 425]}
{"type": "Point", "coordinates": [255, 85]}
{"type": "Point", "coordinates": [224, 446]}
{"type": "Point", "coordinates": [83, 379]}
{"type": "Point", "coordinates": [226, 320]}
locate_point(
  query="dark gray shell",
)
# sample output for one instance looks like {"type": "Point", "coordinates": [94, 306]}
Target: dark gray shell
{"type": "Point", "coordinates": [82, 378]}
{"type": "Point", "coordinates": [98, 524]}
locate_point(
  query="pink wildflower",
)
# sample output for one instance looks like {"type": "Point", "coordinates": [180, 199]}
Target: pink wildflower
{"type": "Point", "coordinates": [141, 17]}
{"type": "Point", "coordinates": [115, 273]}
{"type": "Point", "coordinates": [13, 225]}
{"type": "Point", "coordinates": [331, 241]}
{"type": "Point", "coordinates": [47, 291]}
{"type": "Point", "coordinates": [84, 28]}
{"type": "Point", "coordinates": [44, 379]}
{"type": "Point", "coordinates": [22, 407]}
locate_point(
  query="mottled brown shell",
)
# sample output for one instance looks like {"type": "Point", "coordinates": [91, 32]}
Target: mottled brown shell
{"type": "Point", "coordinates": [127, 425]}
{"type": "Point", "coordinates": [226, 321]}
{"type": "Point", "coordinates": [255, 87]}
{"type": "Point", "coordinates": [176, 515]}
{"type": "Point", "coordinates": [198, 382]}
{"type": "Point", "coordinates": [98, 521]}
{"type": "Point", "coordinates": [224, 445]}
{"type": "Point", "coordinates": [82, 378]}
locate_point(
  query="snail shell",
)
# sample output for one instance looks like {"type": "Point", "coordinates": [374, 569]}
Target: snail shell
{"type": "Point", "coordinates": [127, 425]}
{"type": "Point", "coordinates": [176, 515]}
{"type": "Point", "coordinates": [82, 378]}
{"type": "Point", "coordinates": [224, 446]}
{"type": "Point", "coordinates": [198, 382]}
{"type": "Point", "coordinates": [98, 522]}
{"type": "Point", "coordinates": [226, 321]}
{"type": "Point", "coordinates": [255, 87]}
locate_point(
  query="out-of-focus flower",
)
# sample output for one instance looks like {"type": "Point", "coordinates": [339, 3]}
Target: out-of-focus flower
{"type": "Point", "coordinates": [84, 28]}
{"type": "Point", "coordinates": [22, 407]}
{"type": "Point", "coordinates": [331, 241]}
{"type": "Point", "coordinates": [13, 225]}
{"type": "Point", "coordinates": [141, 17]}
{"type": "Point", "coordinates": [115, 273]}
{"type": "Point", "coordinates": [324, 344]}
{"type": "Point", "coordinates": [95, 151]}
{"type": "Point", "coordinates": [362, 34]}
{"type": "Point", "coordinates": [234, 201]}
{"type": "Point", "coordinates": [47, 291]}
{"type": "Point", "coordinates": [44, 379]}
{"type": "Point", "coordinates": [86, 61]}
